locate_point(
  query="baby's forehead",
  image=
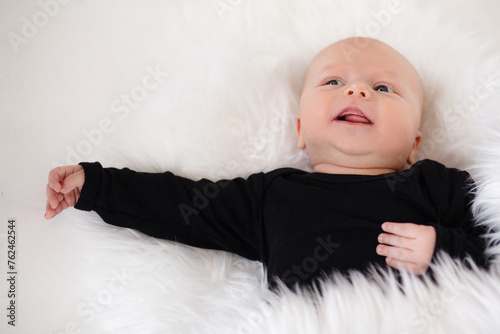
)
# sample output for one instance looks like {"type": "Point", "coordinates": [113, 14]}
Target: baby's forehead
{"type": "Point", "coordinates": [367, 53]}
{"type": "Point", "coordinates": [348, 51]}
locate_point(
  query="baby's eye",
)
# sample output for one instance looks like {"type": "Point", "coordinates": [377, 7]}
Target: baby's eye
{"type": "Point", "coordinates": [334, 83]}
{"type": "Point", "coordinates": [383, 88]}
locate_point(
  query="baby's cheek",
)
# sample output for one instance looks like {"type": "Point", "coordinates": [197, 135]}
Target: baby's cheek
{"type": "Point", "coordinates": [403, 131]}
{"type": "Point", "coordinates": [398, 143]}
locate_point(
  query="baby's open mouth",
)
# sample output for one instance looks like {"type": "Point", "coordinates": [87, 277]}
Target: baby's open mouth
{"type": "Point", "coordinates": [353, 115]}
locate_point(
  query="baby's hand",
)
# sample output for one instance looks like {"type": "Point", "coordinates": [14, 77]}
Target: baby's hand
{"type": "Point", "coordinates": [408, 246]}
{"type": "Point", "coordinates": [63, 190]}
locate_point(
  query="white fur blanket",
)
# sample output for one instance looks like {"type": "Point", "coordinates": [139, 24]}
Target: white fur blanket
{"type": "Point", "coordinates": [210, 88]}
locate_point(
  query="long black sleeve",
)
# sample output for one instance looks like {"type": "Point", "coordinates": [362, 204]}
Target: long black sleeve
{"type": "Point", "coordinates": [457, 233]}
{"type": "Point", "coordinates": [216, 215]}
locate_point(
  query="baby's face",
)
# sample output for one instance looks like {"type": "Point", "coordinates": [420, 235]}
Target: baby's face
{"type": "Point", "coordinates": [360, 109]}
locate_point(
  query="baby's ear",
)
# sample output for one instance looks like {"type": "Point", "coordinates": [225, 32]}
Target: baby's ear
{"type": "Point", "coordinates": [300, 141]}
{"type": "Point", "coordinates": [412, 157]}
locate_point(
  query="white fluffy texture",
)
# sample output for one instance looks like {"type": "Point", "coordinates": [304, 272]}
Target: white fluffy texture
{"type": "Point", "coordinates": [224, 107]}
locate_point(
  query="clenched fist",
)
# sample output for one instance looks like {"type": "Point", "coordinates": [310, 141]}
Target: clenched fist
{"type": "Point", "coordinates": [63, 189]}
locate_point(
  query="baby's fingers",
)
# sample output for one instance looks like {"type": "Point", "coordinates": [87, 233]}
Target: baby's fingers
{"type": "Point", "coordinates": [397, 253]}
{"type": "Point", "coordinates": [72, 197]}
{"type": "Point", "coordinates": [392, 240]}
{"type": "Point", "coordinates": [407, 230]}
{"type": "Point", "coordinates": [63, 189]}
{"type": "Point", "coordinates": [49, 211]}
{"type": "Point", "coordinates": [52, 212]}
{"type": "Point", "coordinates": [73, 181]}
{"type": "Point", "coordinates": [53, 197]}
{"type": "Point", "coordinates": [56, 175]}
{"type": "Point", "coordinates": [60, 176]}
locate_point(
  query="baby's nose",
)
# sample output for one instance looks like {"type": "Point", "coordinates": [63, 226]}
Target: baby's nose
{"type": "Point", "coordinates": [351, 92]}
{"type": "Point", "coordinates": [357, 88]}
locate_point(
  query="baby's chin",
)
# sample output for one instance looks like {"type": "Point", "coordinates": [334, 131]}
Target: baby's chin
{"type": "Point", "coordinates": [360, 165]}
{"type": "Point", "coordinates": [352, 170]}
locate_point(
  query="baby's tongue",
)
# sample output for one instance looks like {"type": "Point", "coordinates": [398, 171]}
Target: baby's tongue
{"type": "Point", "coordinates": [357, 119]}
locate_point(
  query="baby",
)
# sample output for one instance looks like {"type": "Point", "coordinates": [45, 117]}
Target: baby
{"type": "Point", "coordinates": [359, 120]}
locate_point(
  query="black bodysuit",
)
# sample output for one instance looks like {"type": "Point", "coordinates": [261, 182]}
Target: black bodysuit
{"type": "Point", "coordinates": [300, 225]}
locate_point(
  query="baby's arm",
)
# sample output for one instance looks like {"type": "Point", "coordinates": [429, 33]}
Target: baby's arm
{"type": "Point", "coordinates": [219, 215]}
{"type": "Point", "coordinates": [63, 189]}
{"type": "Point", "coordinates": [407, 246]}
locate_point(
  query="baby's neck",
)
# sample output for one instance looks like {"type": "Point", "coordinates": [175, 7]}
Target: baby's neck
{"type": "Point", "coordinates": [335, 169]}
